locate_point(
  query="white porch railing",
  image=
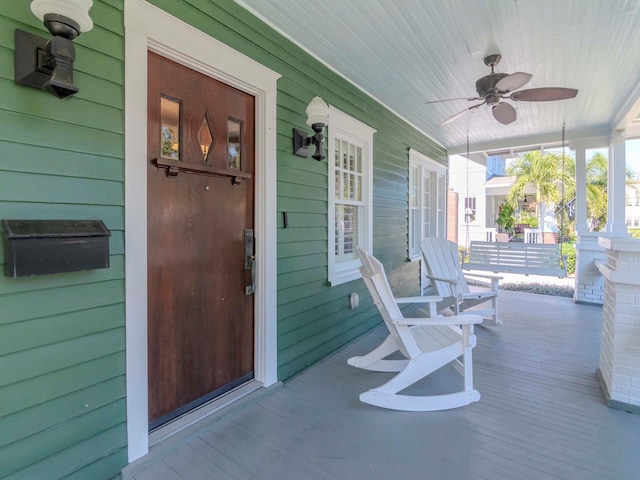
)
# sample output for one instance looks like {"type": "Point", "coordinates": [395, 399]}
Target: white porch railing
{"type": "Point", "coordinates": [476, 234]}
{"type": "Point", "coordinates": [532, 235]}
{"type": "Point", "coordinates": [484, 234]}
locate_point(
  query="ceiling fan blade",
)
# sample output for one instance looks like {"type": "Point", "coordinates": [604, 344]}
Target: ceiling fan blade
{"type": "Point", "coordinates": [453, 99]}
{"type": "Point", "coordinates": [544, 94]}
{"type": "Point", "coordinates": [504, 113]}
{"type": "Point", "coordinates": [460, 114]}
{"type": "Point", "coordinates": [513, 82]}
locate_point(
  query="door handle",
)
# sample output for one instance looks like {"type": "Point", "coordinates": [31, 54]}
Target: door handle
{"type": "Point", "coordinates": [249, 260]}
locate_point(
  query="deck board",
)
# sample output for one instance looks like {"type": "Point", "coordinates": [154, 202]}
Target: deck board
{"type": "Point", "coordinates": [542, 415]}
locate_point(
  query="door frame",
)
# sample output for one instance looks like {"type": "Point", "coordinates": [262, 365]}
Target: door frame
{"type": "Point", "coordinates": [149, 28]}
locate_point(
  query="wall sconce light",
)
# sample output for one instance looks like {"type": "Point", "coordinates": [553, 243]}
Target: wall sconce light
{"type": "Point", "coordinates": [317, 119]}
{"type": "Point", "coordinates": [48, 65]}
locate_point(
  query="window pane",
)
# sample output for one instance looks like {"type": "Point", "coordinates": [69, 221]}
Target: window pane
{"type": "Point", "coordinates": [345, 155]}
{"type": "Point", "coordinates": [345, 185]}
{"type": "Point", "coordinates": [413, 187]}
{"type": "Point", "coordinates": [352, 187]}
{"type": "Point", "coordinates": [349, 230]}
{"type": "Point", "coordinates": [169, 128]}
{"type": "Point", "coordinates": [234, 133]}
{"type": "Point", "coordinates": [352, 158]}
{"type": "Point", "coordinates": [346, 232]}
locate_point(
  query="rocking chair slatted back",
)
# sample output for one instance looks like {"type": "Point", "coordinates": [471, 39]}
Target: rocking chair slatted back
{"type": "Point", "coordinates": [441, 260]}
{"type": "Point", "coordinates": [449, 281]}
{"type": "Point", "coordinates": [376, 280]}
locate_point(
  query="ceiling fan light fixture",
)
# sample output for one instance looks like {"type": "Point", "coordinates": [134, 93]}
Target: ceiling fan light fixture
{"type": "Point", "coordinates": [504, 113]}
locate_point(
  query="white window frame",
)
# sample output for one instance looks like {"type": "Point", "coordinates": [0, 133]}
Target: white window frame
{"type": "Point", "coordinates": [427, 167]}
{"type": "Point", "coordinates": [470, 203]}
{"type": "Point", "coordinates": [347, 128]}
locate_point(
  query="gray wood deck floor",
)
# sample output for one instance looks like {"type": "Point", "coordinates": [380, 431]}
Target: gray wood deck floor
{"type": "Point", "coordinates": [541, 416]}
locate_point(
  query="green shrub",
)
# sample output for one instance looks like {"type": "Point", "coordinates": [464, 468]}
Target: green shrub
{"type": "Point", "coordinates": [505, 219]}
{"type": "Point", "coordinates": [635, 232]}
{"type": "Point", "coordinates": [569, 249]}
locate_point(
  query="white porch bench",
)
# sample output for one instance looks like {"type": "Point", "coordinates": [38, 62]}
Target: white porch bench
{"type": "Point", "coordinates": [514, 257]}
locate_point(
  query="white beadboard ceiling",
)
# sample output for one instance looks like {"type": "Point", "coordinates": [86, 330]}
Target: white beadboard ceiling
{"type": "Point", "coordinates": [407, 52]}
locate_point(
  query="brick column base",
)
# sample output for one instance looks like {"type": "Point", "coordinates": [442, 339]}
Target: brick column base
{"type": "Point", "coordinates": [620, 344]}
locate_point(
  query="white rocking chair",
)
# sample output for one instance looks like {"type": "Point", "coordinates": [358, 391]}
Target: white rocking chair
{"type": "Point", "coordinates": [448, 281]}
{"type": "Point", "coordinates": [426, 343]}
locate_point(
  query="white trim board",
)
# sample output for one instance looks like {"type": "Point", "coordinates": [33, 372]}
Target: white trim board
{"type": "Point", "coordinates": [150, 28]}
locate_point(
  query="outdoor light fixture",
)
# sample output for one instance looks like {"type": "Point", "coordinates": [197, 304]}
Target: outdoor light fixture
{"type": "Point", "coordinates": [48, 64]}
{"type": "Point", "coordinates": [317, 119]}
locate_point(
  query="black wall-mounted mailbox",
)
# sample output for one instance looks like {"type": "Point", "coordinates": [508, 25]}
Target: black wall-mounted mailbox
{"type": "Point", "coordinates": [40, 247]}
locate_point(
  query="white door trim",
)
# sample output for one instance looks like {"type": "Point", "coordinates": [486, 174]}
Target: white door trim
{"type": "Point", "coordinates": [150, 28]}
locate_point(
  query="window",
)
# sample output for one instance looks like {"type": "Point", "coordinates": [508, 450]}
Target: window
{"type": "Point", "coordinates": [470, 209]}
{"type": "Point", "coordinates": [350, 157]}
{"type": "Point", "coordinates": [427, 200]}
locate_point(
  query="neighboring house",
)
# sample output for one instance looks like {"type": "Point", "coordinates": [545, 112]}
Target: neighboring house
{"type": "Point", "coordinates": [467, 179]}
{"type": "Point", "coordinates": [485, 188]}
{"type": "Point", "coordinates": [90, 360]}
{"type": "Point", "coordinates": [632, 210]}
{"type": "Point", "coordinates": [481, 189]}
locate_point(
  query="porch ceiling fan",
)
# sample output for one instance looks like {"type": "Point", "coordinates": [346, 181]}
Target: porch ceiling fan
{"type": "Point", "coordinates": [494, 88]}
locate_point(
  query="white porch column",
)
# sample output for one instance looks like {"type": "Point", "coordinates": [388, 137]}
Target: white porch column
{"type": "Point", "coordinates": [619, 368]}
{"type": "Point", "coordinates": [616, 184]}
{"type": "Point", "coordinates": [589, 283]}
{"type": "Point", "coordinates": [581, 187]}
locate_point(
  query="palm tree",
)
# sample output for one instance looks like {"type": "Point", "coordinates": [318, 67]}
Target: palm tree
{"type": "Point", "coordinates": [545, 173]}
{"type": "Point", "coordinates": [597, 191]}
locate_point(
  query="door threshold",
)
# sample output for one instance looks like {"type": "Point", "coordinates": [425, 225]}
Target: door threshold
{"type": "Point", "coordinates": [203, 411]}
{"type": "Point", "coordinates": [171, 435]}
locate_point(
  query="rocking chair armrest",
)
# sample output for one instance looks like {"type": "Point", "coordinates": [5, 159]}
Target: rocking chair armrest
{"type": "Point", "coordinates": [424, 299]}
{"type": "Point", "coordinates": [489, 276]}
{"type": "Point", "coordinates": [464, 319]}
{"type": "Point", "coordinates": [443, 279]}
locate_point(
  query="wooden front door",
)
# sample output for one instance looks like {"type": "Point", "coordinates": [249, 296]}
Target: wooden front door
{"type": "Point", "coordinates": [199, 246]}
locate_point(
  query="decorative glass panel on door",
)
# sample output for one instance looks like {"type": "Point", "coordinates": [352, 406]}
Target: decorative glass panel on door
{"type": "Point", "coordinates": [169, 128]}
{"type": "Point", "coordinates": [205, 139]}
{"type": "Point", "coordinates": [234, 131]}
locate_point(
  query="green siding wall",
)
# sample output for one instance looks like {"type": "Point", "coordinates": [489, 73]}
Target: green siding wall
{"type": "Point", "coordinates": [62, 362]}
{"type": "Point", "coordinates": [314, 319]}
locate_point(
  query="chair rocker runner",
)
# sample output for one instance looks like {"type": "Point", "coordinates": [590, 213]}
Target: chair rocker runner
{"type": "Point", "coordinates": [448, 280]}
{"type": "Point", "coordinates": [427, 344]}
